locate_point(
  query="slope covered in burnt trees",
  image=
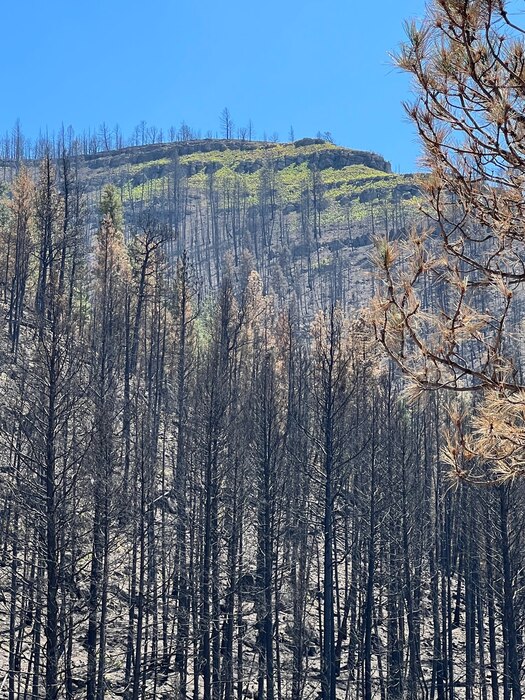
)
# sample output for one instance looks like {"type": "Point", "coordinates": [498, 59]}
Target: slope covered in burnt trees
{"type": "Point", "coordinates": [303, 213]}
{"type": "Point", "coordinates": [213, 487]}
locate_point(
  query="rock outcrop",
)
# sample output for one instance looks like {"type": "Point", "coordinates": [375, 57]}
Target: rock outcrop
{"type": "Point", "coordinates": [323, 155]}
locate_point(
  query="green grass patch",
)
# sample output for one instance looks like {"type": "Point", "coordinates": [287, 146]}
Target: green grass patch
{"type": "Point", "coordinates": [139, 167]}
{"type": "Point", "coordinates": [346, 192]}
{"type": "Point", "coordinates": [146, 190]}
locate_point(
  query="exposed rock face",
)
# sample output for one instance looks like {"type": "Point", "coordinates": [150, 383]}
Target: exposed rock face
{"type": "Point", "coordinates": [308, 142]}
{"type": "Point", "coordinates": [134, 155]}
{"type": "Point", "coordinates": [321, 158]}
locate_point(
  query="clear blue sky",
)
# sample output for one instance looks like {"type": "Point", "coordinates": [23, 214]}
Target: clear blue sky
{"type": "Point", "coordinates": [313, 65]}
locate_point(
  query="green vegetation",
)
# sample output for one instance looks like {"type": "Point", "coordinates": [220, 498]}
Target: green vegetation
{"type": "Point", "coordinates": [346, 192]}
{"type": "Point", "coordinates": [145, 190]}
{"type": "Point", "coordinates": [267, 151]}
{"type": "Point", "coordinates": [139, 167]}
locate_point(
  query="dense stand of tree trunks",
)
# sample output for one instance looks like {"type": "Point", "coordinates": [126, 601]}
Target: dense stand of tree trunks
{"type": "Point", "coordinates": [215, 498]}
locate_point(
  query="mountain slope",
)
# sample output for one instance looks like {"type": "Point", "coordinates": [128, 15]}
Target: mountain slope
{"type": "Point", "coordinates": [304, 212]}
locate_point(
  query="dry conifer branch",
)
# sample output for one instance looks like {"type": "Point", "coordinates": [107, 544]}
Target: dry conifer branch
{"type": "Point", "coordinates": [448, 309]}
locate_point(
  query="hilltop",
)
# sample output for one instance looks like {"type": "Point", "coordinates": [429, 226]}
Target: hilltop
{"type": "Point", "coordinates": [244, 156]}
{"type": "Point", "coordinates": [348, 175]}
{"type": "Point", "coordinates": [303, 214]}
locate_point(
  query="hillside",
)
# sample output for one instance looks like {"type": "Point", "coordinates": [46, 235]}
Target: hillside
{"type": "Point", "coordinates": [210, 487]}
{"type": "Point", "coordinates": [304, 212]}
{"type": "Point", "coordinates": [348, 178]}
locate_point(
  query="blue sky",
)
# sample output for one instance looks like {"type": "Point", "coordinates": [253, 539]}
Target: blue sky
{"type": "Point", "coordinates": [316, 66]}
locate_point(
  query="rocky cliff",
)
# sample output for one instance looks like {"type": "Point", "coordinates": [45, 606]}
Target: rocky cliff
{"type": "Point", "coordinates": [248, 156]}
